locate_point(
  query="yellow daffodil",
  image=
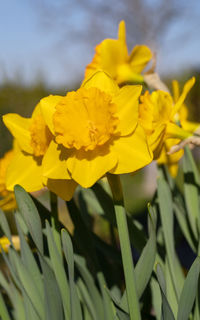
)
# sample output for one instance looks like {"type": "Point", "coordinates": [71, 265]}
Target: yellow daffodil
{"type": "Point", "coordinates": [112, 57]}
{"type": "Point", "coordinates": [32, 137]}
{"type": "Point", "coordinates": [183, 113]}
{"type": "Point", "coordinates": [157, 114]}
{"type": "Point", "coordinates": [95, 131]}
{"type": "Point", "coordinates": [181, 117]}
{"type": "Point", "coordinates": [5, 243]}
{"type": "Point", "coordinates": [7, 198]}
{"type": "Point", "coordinates": [171, 160]}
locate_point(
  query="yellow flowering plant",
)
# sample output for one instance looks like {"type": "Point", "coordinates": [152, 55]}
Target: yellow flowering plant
{"type": "Point", "coordinates": [100, 130]}
{"type": "Point", "coordinates": [95, 130]}
{"type": "Point", "coordinates": [180, 118]}
{"type": "Point", "coordinates": [32, 137]}
{"type": "Point", "coordinates": [158, 113]}
{"type": "Point", "coordinates": [112, 57]}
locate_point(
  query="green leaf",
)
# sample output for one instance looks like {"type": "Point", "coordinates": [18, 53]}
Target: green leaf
{"type": "Point", "coordinates": [31, 313]}
{"type": "Point", "coordinates": [145, 264]}
{"type": "Point", "coordinates": [183, 223]}
{"type": "Point", "coordinates": [21, 222]}
{"type": "Point", "coordinates": [91, 287]}
{"type": "Point", "coordinates": [107, 301]}
{"type": "Point", "coordinates": [11, 266]}
{"type": "Point", "coordinates": [29, 261]}
{"type": "Point", "coordinates": [189, 291]}
{"type": "Point", "coordinates": [87, 300]}
{"type": "Point", "coordinates": [167, 313]}
{"type": "Point", "coordinates": [191, 186]}
{"type": "Point", "coordinates": [53, 301]}
{"type": "Point", "coordinates": [136, 233]}
{"type": "Point", "coordinates": [3, 310]}
{"type": "Point", "coordinates": [156, 298]}
{"type": "Point", "coordinates": [28, 283]}
{"type": "Point", "coordinates": [18, 302]}
{"type": "Point", "coordinates": [4, 225]}
{"type": "Point", "coordinates": [170, 291]}
{"type": "Point", "coordinates": [69, 256]}
{"type": "Point", "coordinates": [14, 296]}
{"type": "Point", "coordinates": [167, 220]}
{"type": "Point", "coordinates": [59, 271]}
{"type": "Point", "coordinates": [30, 215]}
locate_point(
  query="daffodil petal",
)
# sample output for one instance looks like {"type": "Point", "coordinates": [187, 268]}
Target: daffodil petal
{"type": "Point", "coordinates": [174, 131]}
{"type": "Point", "coordinates": [132, 152]}
{"type": "Point", "coordinates": [127, 103]}
{"type": "Point", "coordinates": [102, 81]}
{"type": "Point", "coordinates": [48, 107]}
{"type": "Point", "coordinates": [19, 127]}
{"type": "Point", "coordinates": [122, 31]}
{"type": "Point", "coordinates": [156, 140]}
{"type": "Point", "coordinates": [87, 167]}
{"type": "Point", "coordinates": [25, 171]}
{"type": "Point", "coordinates": [54, 163]}
{"type": "Point", "coordinates": [63, 188]}
{"type": "Point", "coordinates": [139, 58]}
{"type": "Point", "coordinates": [187, 87]}
{"type": "Point", "coordinates": [189, 125]}
{"type": "Point", "coordinates": [175, 90]}
{"type": "Point", "coordinates": [173, 169]}
{"type": "Point", "coordinates": [37, 110]}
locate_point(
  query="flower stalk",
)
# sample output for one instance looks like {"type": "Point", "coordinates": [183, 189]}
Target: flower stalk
{"type": "Point", "coordinates": [128, 266]}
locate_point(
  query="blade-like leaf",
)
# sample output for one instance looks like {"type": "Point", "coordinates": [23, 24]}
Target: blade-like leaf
{"type": "Point", "coordinates": [28, 284]}
{"type": "Point", "coordinates": [145, 264]}
{"type": "Point", "coordinates": [191, 186]}
{"type": "Point", "coordinates": [91, 287]}
{"type": "Point", "coordinates": [188, 293]}
{"type": "Point", "coordinates": [167, 313]}
{"type": "Point", "coordinates": [53, 302]}
{"type": "Point", "coordinates": [69, 255]}
{"type": "Point", "coordinates": [167, 220]}
{"type": "Point", "coordinates": [4, 226]}
{"type": "Point", "coordinates": [30, 215]}
{"type": "Point", "coordinates": [59, 271]}
{"type": "Point", "coordinates": [29, 261]}
{"type": "Point", "coordinates": [4, 315]}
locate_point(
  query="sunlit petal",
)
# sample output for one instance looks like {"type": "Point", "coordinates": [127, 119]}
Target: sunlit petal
{"type": "Point", "coordinates": [25, 171]}
{"type": "Point", "coordinates": [54, 163]}
{"type": "Point", "coordinates": [102, 81]}
{"type": "Point", "coordinates": [19, 127]}
{"type": "Point", "coordinates": [139, 58]}
{"type": "Point", "coordinates": [127, 103]}
{"type": "Point", "coordinates": [132, 152]}
{"type": "Point", "coordinates": [88, 167]}
{"type": "Point", "coordinates": [48, 105]}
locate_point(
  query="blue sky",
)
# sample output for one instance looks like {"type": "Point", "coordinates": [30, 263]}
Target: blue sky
{"type": "Point", "coordinates": [29, 51]}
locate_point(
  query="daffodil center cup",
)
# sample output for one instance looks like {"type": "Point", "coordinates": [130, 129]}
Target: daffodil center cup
{"type": "Point", "coordinates": [85, 119]}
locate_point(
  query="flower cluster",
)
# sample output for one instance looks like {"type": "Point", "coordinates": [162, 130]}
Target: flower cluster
{"type": "Point", "coordinates": [109, 125]}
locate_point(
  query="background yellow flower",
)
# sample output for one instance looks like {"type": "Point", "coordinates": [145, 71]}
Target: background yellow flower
{"type": "Point", "coordinates": [112, 57]}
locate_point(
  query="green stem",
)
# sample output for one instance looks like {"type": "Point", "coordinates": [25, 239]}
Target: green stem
{"type": "Point", "coordinates": [133, 301]}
